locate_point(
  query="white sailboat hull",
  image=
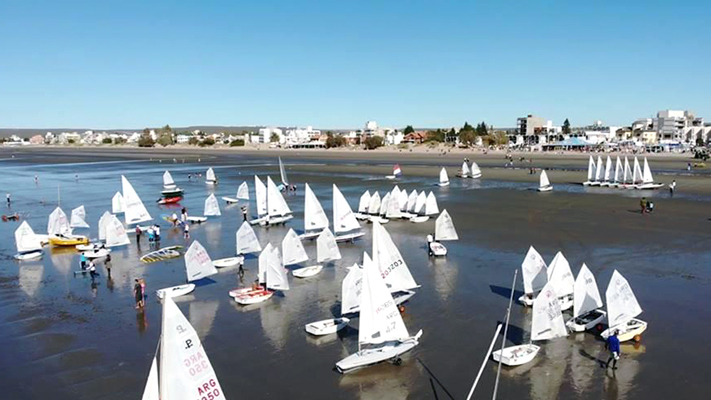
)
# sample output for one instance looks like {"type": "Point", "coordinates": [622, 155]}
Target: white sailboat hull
{"type": "Point", "coordinates": [230, 200]}
{"type": "Point", "coordinates": [197, 220]}
{"type": "Point", "coordinates": [545, 189]}
{"type": "Point", "coordinates": [327, 326]}
{"type": "Point", "coordinates": [587, 183]}
{"type": "Point", "coordinates": [526, 300]}
{"type": "Point", "coordinates": [399, 297]}
{"type": "Point", "coordinates": [311, 235]}
{"type": "Point", "coordinates": [274, 220]}
{"type": "Point", "coordinates": [349, 236]}
{"type": "Point", "coordinates": [586, 321]}
{"type": "Point", "coordinates": [361, 216]}
{"type": "Point", "coordinates": [649, 186]}
{"type": "Point", "coordinates": [228, 262]}
{"type": "Point", "coordinates": [437, 249]}
{"type": "Point", "coordinates": [516, 355]}
{"type": "Point", "coordinates": [368, 357]}
{"type": "Point", "coordinates": [420, 219]}
{"type": "Point", "coordinates": [97, 253]}
{"type": "Point", "coordinates": [566, 302]}
{"type": "Point", "coordinates": [443, 184]}
{"type": "Point", "coordinates": [475, 176]}
{"type": "Point", "coordinates": [307, 271]}
{"type": "Point", "coordinates": [30, 255]}
{"type": "Point", "coordinates": [628, 331]}
{"type": "Point", "coordinates": [378, 218]}
{"type": "Point", "coordinates": [252, 296]}
{"type": "Point", "coordinates": [175, 291]}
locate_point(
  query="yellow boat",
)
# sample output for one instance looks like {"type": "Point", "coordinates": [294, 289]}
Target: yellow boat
{"type": "Point", "coordinates": [68, 240]}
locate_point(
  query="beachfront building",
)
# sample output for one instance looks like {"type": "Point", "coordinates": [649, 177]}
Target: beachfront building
{"type": "Point", "coordinates": [264, 135]}
{"type": "Point", "coordinates": [532, 130]}
{"type": "Point", "coordinates": [598, 133]}
{"type": "Point", "coordinates": [300, 135]}
{"type": "Point", "coordinates": [393, 137]}
{"type": "Point", "coordinates": [68, 138]}
{"type": "Point", "coordinates": [416, 137]}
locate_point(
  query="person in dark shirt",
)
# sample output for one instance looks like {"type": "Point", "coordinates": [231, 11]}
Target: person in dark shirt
{"type": "Point", "coordinates": [613, 345]}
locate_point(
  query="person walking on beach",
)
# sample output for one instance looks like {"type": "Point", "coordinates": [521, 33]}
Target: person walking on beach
{"type": "Point", "coordinates": [36, 180]}
{"type": "Point", "coordinates": [7, 196]}
{"type": "Point", "coordinates": [613, 345]}
{"type": "Point", "coordinates": [143, 291]}
{"type": "Point", "coordinates": [82, 261]}
{"type": "Point", "coordinates": [672, 186]}
{"type": "Point", "coordinates": [138, 294]}
{"type": "Point", "coordinates": [643, 204]}
{"type": "Point", "coordinates": [92, 270]}
{"type": "Point", "coordinates": [186, 231]}
{"type": "Point", "coordinates": [156, 230]}
{"type": "Point", "coordinates": [139, 232]}
{"type": "Point", "coordinates": [107, 264]}
{"type": "Point", "coordinates": [244, 213]}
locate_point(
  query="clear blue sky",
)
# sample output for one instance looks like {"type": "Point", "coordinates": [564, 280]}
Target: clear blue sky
{"type": "Point", "coordinates": [114, 64]}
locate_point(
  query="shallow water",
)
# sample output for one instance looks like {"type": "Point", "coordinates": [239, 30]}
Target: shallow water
{"type": "Point", "coordinates": [84, 339]}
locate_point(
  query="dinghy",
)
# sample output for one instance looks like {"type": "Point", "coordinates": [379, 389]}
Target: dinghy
{"type": "Point", "coordinates": [327, 326]}
{"type": "Point", "coordinates": [390, 262]}
{"type": "Point", "coordinates": [544, 184]}
{"type": "Point", "coordinates": [134, 210]}
{"type": "Point", "coordinates": [410, 205]}
{"type": "Point", "coordinates": [278, 211]}
{"type": "Point", "coordinates": [464, 171]}
{"type": "Point", "coordinates": [315, 219]}
{"type": "Point", "coordinates": [345, 225]}
{"type": "Point", "coordinates": [246, 240]}
{"type": "Point", "coordinates": [293, 252]}
{"type": "Point", "coordinates": [326, 247]}
{"type": "Point", "coordinates": [420, 209]}
{"type": "Point", "coordinates": [534, 274]}
{"type": "Point", "coordinates": [228, 262]}
{"type": "Point", "coordinates": [180, 368]}
{"type": "Point", "coordinates": [78, 218]}
{"type": "Point", "coordinates": [196, 219]}
{"type": "Point", "coordinates": [98, 253]}
{"type": "Point", "coordinates": [647, 179]}
{"type": "Point", "coordinates": [444, 230]}
{"type": "Point", "coordinates": [622, 308]}
{"type": "Point", "coordinates": [212, 207]}
{"type": "Point", "coordinates": [431, 207]}
{"type": "Point", "coordinates": [561, 279]}
{"type": "Point", "coordinates": [60, 232]}
{"type": "Point", "coordinates": [586, 303]}
{"type": "Point", "coordinates": [392, 209]}
{"type": "Point", "coordinates": [382, 334]}
{"type": "Point", "coordinates": [475, 171]}
{"type": "Point", "coordinates": [242, 194]}
{"type": "Point", "coordinates": [169, 200]}
{"type": "Point", "coordinates": [260, 190]}
{"type": "Point", "coordinates": [117, 203]}
{"type": "Point", "coordinates": [170, 189]}
{"type": "Point", "coordinates": [282, 172]}
{"type": "Point", "coordinates": [443, 178]}
{"type": "Point", "coordinates": [351, 291]}
{"type": "Point", "coordinates": [27, 243]}
{"type": "Point", "coordinates": [115, 233]}
{"type": "Point", "coordinates": [599, 171]}
{"type": "Point", "coordinates": [591, 172]}
{"type": "Point", "coordinates": [616, 179]}
{"type": "Point", "coordinates": [397, 172]}
{"type": "Point", "coordinates": [307, 272]}
{"type": "Point", "coordinates": [627, 176]}
{"type": "Point", "coordinates": [636, 175]}
{"type": "Point", "coordinates": [363, 204]}
{"type": "Point", "coordinates": [175, 291]}
{"type": "Point", "coordinates": [271, 273]}
{"type": "Point", "coordinates": [608, 170]}
{"type": "Point", "coordinates": [210, 177]}
{"type": "Point", "coordinates": [164, 253]}
{"type": "Point", "coordinates": [198, 264]}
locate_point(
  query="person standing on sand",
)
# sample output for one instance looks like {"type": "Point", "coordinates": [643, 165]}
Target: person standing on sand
{"type": "Point", "coordinates": [139, 232]}
{"type": "Point", "coordinates": [107, 264]}
{"type": "Point", "coordinates": [143, 291]}
{"type": "Point", "coordinates": [137, 294]}
{"type": "Point", "coordinates": [672, 186]}
{"type": "Point", "coordinates": [186, 231]}
{"type": "Point", "coordinates": [7, 196]}
{"type": "Point", "coordinates": [613, 345]}
{"type": "Point", "coordinates": [244, 213]}
{"type": "Point", "coordinates": [643, 204]}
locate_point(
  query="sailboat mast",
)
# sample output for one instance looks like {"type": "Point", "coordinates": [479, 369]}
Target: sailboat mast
{"type": "Point", "coordinates": [503, 340]}
{"type": "Point", "coordinates": [161, 378]}
{"type": "Point", "coordinates": [59, 197]}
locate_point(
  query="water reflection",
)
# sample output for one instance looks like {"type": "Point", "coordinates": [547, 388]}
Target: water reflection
{"type": "Point", "coordinates": [445, 276]}
{"type": "Point", "coordinates": [31, 278]}
{"type": "Point", "coordinates": [547, 377]}
{"type": "Point", "coordinates": [202, 316]}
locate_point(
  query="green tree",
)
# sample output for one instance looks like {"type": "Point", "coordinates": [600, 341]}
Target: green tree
{"type": "Point", "coordinates": [373, 142]}
{"type": "Point", "coordinates": [334, 140]}
{"type": "Point", "coordinates": [408, 129]}
{"type": "Point", "coordinates": [165, 139]}
{"type": "Point", "coordinates": [237, 143]}
{"type": "Point", "coordinates": [467, 127]}
{"type": "Point", "coordinates": [106, 140]}
{"type": "Point", "coordinates": [467, 137]}
{"type": "Point", "coordinates": [119, 140]}
{"type": "Point", "coordinates": [193, 140]}
{"type": "Point", "coordinates": [435, 136]}
{"type": "Point", "coordinates": [208, 141]}
{"type": "Point", "coordinates": [566, 127]}
{"type": "Point", "coordinates": [274, 137]}
{"type": "Point", "coordinates": [481, 129]}
{"type": "Point", "coordinates": [146, 141]}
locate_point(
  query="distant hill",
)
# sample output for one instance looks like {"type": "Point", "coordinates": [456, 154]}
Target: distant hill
{"type": "Point", "coordinates": [29, 132]}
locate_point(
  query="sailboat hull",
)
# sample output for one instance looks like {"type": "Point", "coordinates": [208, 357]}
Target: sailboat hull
{"type": "Point", "coordinates": [31, 255]}
{"type": "Point", "coordinates": [437, 249]}
{"type": "Point", "coordinates": [526, 300]}
{"type": "Point", "coordinates": [475, 176]}
{"type": "Point", "coordinates": [378, 218]}
{"type": "Point", "coordinates": [307, 271]}
{"type": "Point", "coordinates": [420, 218]}
{"type": "Point", "coordinates": [175, 291]}
{"type": "Point", "coordinates": [372, 356]}
{"type": "Point", "coordinates": [566, 302]}
{"type": "Point", "coordinates": [628, 331]}
{"type": "Point", "coordinates": [96, 253]}
{"type": "Point", "coordinates": [545, 189]}
{"type": "Point", "coordinates": [228, 262]}
{"type": "Point", "coordinates": [586, 321]}
{"type": "Point", "coordinates": [649, 186]}
{"type": "Point", "coordinates": [443, 184]}
{"type": "Point", "coordinates": [516, 355]}
{"type": "Point", "coordinates": [275, 220]}
{"type": "Point", "coordinates": [253, 296]}
{"type": "Point", "coordinates": [309, 235]}
{"type": "Point", "coordinates": [327, 326]}
{"type": "Point", "coordinates": [68, 240]}
{"type": "Point", "coordinates": [349, 236]}
{"type": "Point", "coordinates": [230, 200]}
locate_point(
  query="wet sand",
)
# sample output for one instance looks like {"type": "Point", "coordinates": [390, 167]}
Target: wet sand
{"type": "Point", "coordinates": [85, 340]}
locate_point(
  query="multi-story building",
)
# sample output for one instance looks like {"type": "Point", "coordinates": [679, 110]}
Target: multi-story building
{"type": "Point", "coordinates": [265, 134]}
{"type": "Point", "coordinates": [530, 130]}
{"type": "Point", "coordinates": [301, 135]}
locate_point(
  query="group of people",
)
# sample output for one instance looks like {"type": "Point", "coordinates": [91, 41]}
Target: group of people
{"type": "Point", "coordinates": [153, 233]}
{"type": "Point", "coordinates": [88, 265]}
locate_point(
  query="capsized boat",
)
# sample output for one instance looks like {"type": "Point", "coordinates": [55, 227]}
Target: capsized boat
{"type": "Point", "coordinates": [28, 244]}
{"type": "Point", "coordinates": [444, 230]}
{"type": "Point", "coordinates": [544, 184]}
{"type": "Point", "coordinates": [443, 177]}
{"type": "Point", "coordinates": [164, 253]}
{"type": "Point", "coordinates": [587, 303]}
{"type": "Point", "coordinates": [327, 326]}
{"type": "Point", "coordinates": [534, 274]}
{"type": "Point", "coordinates": [622, 308]}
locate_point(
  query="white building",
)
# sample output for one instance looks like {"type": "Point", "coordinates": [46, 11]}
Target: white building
{"type": "Point", "coordinates": [265, 135]}
{"type": "Point", "coordinates": [300, 135]}
{"type": "Point", "coordinates": [394, 137]}
{"type": "Point", "coordinates": [65, 137]}
{"type": "Point", "coordinates": [182, 138]}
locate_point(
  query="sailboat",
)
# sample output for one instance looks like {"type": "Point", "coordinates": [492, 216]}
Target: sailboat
{"type": "Point", "coordinates": [627, 176]}
{"type": "Point", "coordinates": [117, 203]}
{"type": "Point", "coordinates": [420, 209]}
{"type": "Point", "coordinates": [198, 264]}
{"type": "Point", "coordinates": [616, 180]}
{"type": "Point", "coordinates": [383, 208]}
{"type": "Point", "coordinates": [648, 179]}
{"type": "Point", "coordinates": [78, 219]}
{"type": "Point", "coordinates": [278, 211]}
{"type": "Point", "coordinates": [242, 194]}
{"type": "Point", "coordinates": [170, 189]}
{"type": "Point", "coordinates": [464, 171]}
{"type": "Point", "coordinates": [444, 230]}
{"type": "Point", "coordinates": [210, 177]}
{"type": "Point", "coordinates": [59, 231]}
{"type": "Point", "coordinates": [408, 210]}
{"type": "Point", "coordinates": [591, 172]}
{"type": "Point", "coordinates": [115, 233]}
{"type": "Point", "coordinates": [315, 219]}
{"type": "Point", "coordinates": [282, 172]}
{"type": "Point", "coordinates": [382, 334]}
{"type": "Point", "coordinates": [212, 207]}
{"type": "Point", "coordinates": [180, 368]}
{"type": "Point", "coordinates": [561, 278]}
{"type": "Point", "coordinates": [475, 171]}
{"type": "Point", "coordinates": [246, 240]}
{"type": "Point", "coordinates": [397, 172]}
{"type": "Point", "coordinates": [599, 172]}
{"type": "Point", "coordinates": [636, 175]}
{"type": "Point", "coordinates": [27, 243]}
{"type": "Point", "coordinates": [443, 178]}
{"type": "Point", "coordinates": [546, 323]}
{"type": "Point", "coordinates": [392, 210]}
{"type": "Point", "coordinates": [260, 191]}
{"type": "Point", "coordinates": [608, 170]}
{"type": "Point", "coordinates": [134, 210]}
{"type": "Point", "coordinates": [293, 252]}
{"type": "Point", "coordinates": [345, 225]}
{"type": "Point", "coordinates": [587, 303]}
{"type": "Point", "coordinates": [326, 247]}
{"type": "Point", "coordinates": [544, 185]}
{"type": "Point", "coordinates": [622, 308]}
{"type": "Point", "coordinates": [271, 273]}
{"type": "Point", "coordinates": [402, 201]}
{"type": "Point", "coordinates": [534, 274]}
{"type": "Point", "coordinates": [391, 264]}
{"type": "Point", "coordinates": [363, 204]}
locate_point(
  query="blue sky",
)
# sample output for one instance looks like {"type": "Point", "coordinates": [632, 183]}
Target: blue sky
{"type": "Point", "coordinates": [113, 64]}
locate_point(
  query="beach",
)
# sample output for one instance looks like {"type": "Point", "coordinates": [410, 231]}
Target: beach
{"type": "Point", "coordinates": [84, 339]}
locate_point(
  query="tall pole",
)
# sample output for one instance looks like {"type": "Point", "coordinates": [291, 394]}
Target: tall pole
{"type": "Point", "coordinates": [486, 358]}
{"type": "Point", "coordinates": [503, 339]}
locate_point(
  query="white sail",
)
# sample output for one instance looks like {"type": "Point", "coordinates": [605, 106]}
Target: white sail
{"type": "Point", "coordinates": [380, 320]}
{"type": "Point", "coordinates": [591, 169]}
{"type": "Point", "coordinates": [384, 204]}
{"type": "Point", "coordinates": [390, 262]}
{"type": "Point", "coordinates": [544, 182]}
{"type": "Point", "coordinates": [78, 219]}
{"type": "Point", "coordinates": [547, 321]}
{"type": "Point", "coordinates": [637, 174]}
{"type": "Point", "coordinates": [622, 304]}
{"type": "Point", "coordinates": [198, 264]}
{"type": "Point", "coordinates": [374, 204]}
{"type": "Point", "coordinates": [618, 170]}
{"type": "Point", "coordinates": [628, 171]}
{"type": "Point", "coordinates": [284, 179]}
{"type": "Point", "coordinates": [25, 239]}
{"type": "Point", "coordinates": [115, 233]}
{"type": "Point", "coordinates": [247, 240]}
{"type": "Point", "coordinates": [351, 288]}
{"type": "Point", "coordinates": [210, 176]}
{"type": "Point", "coordinates": [608, 169]}
{"type": "Point", "coordinates": [343, 218]}
{"type": "Point", "coordinates": [475, 171]}
{"type": "Point", "coordinates": [431, 205]}
{"type": "Point", "coordinates": [443, 177]}
{"type": "Point", "coordinates": [263, 261]}
{"type": "Point", "coordinates": [420, 203]}
{"type": "Point", "coordinates": [393, 207]}
{"type": "Point", "coordinates": [586, 296]}
{"type": "Point", "coordinates": [292, 249]}
{"type": "Point", "coordinates": [465, 169]}
{"type": "Point", "coordinates": [276, 205]}
{"type": "Point", "coordinates": [168, 182]}
{"type": "Point", "coordinates": [534, 271]}
{"type": "Point", "coordinates": [444, 227]}
{"type": "Point", "coordinates": [151, 391]}
{"type": "Point", "coordinates": [402, 200]}
{"type": "Point", "coordinates": [57, 224]}
{"type": "Point", "coordinates": [103, 223]}
{"type": "Point", "coordinates": [647, 175]}
{"type": "Point", "coordinates": [560, 277]}
{"type": "Point", "coordinates": [261, 196]}
{"type": "Point", "coordinates": [600, 169]}
{"type": "Point", "coordinates": [135, 211]}
{"type": "Point", "coordinates": [314, 217]}
{"type": "Point", "coordinates": [243, 191]}
{"type": "Point", "coordinates": [276, 274]}
{"type": "Point", "coordinates": [364, 202]}
{"type": "Point", "coordinates": [117, 203]}
{"type": "Point", "coordinates": [411, 201]}
{"type": "Point", "coordinates": [212, 207]}
{"type": "Point", "coordinates": [185, 371]}
{"type": "Point", "coordinates": [326, 247]}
